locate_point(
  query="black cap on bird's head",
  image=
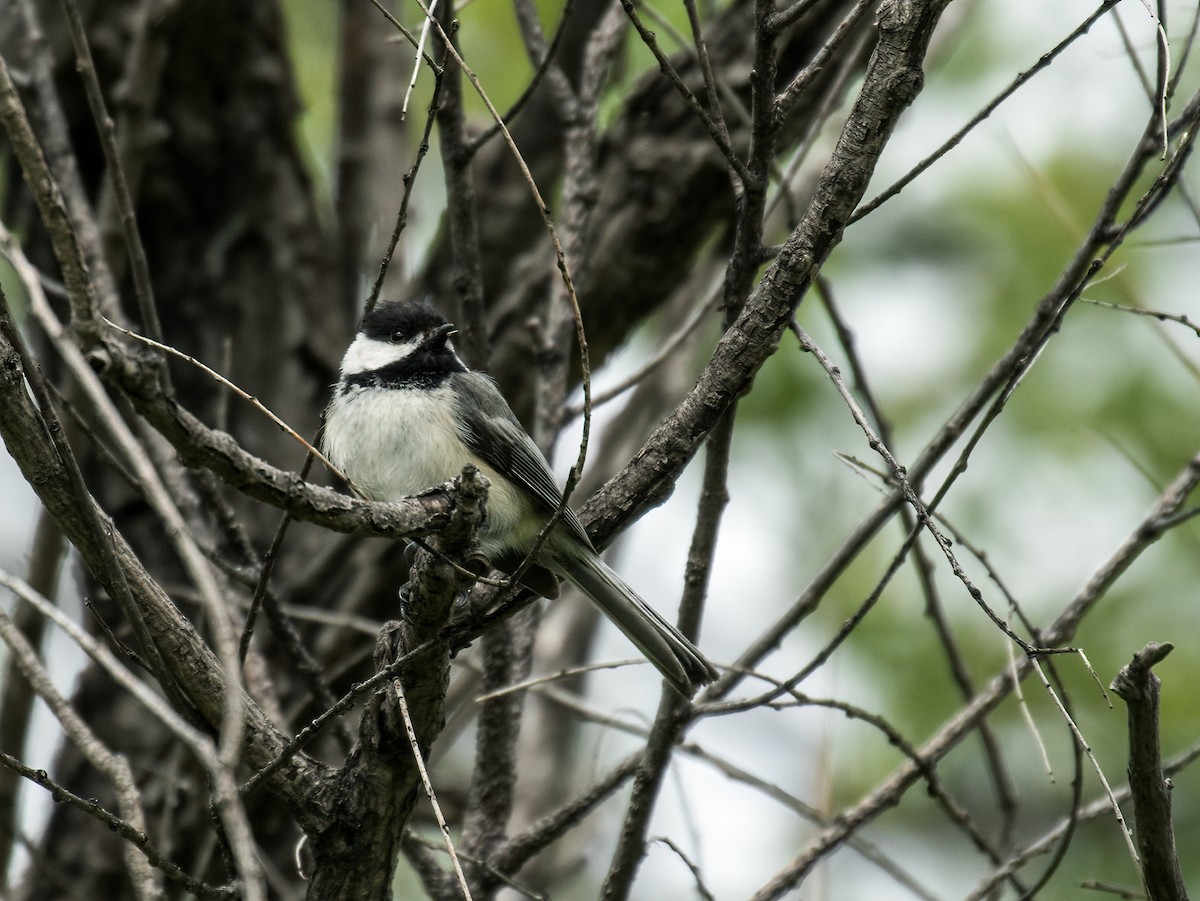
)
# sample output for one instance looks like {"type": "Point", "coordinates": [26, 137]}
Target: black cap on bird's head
{"type": "Point", "coordinates": [400, 322]}
{"type": "Point", "coordinates": [398, 339]}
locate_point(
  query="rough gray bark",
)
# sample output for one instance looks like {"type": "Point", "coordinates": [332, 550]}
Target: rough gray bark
{"type": "Point", "coordinates": [236, 251]}
{"type": "Point", "coordinates": [1138, 686]}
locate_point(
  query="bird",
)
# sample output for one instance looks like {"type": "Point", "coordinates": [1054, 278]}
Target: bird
{"type": "Point", "coordinates": [407, 414]}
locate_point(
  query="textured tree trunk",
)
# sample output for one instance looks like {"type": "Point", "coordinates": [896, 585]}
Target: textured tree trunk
{"type": "Point", "coordinates": [238, 261]}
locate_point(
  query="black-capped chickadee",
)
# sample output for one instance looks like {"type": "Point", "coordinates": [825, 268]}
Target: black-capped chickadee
{"type": "Point", "coordinates": [407, 415]}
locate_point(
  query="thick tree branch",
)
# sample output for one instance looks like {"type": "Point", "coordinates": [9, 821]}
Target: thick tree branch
{"type": "Point", "coordinates": [200, 446]}
{"type": "Point", "coordinates": [375, 792]}
{"type": "Point", "coordinates": [1138, 686]}
{"type": "Point", "coordinates": [182, 661]}
{"type": "Point", "coordinates": [893, 79]}
{"type": "Point", "coordinates": [51, 205]}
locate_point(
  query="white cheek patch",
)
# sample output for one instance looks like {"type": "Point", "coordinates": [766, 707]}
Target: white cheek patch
{"type": "Point", "coordinates": [367, 354]}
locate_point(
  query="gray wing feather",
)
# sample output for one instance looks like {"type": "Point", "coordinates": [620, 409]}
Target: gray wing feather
{"type": "Point", "coordinates": [492, 430]}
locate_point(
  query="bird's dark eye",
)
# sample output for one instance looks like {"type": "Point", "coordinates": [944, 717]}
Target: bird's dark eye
{"type": "Point", "coordinates": [397, 337]}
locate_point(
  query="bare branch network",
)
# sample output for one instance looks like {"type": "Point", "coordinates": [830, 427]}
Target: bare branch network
{"type": "Point", "coordinates": [255, 691]}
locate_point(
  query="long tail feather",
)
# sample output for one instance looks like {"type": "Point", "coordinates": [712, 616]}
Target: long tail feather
{"type": "Point", "coordinates": [675, 657]}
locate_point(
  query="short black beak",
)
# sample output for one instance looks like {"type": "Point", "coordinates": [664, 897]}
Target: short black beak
{"type": "Point", "coordinates": [440, 335]}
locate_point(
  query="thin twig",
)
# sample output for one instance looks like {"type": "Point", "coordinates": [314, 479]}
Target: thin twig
{"type": "Point", "coordinates": [410, 180]}
{"type": "Point", "coordinates": [1006, 795]}
{"type": "Point", "coordinates": [561, 675]}
{"type": "Point", "coordinates": [419, 759]}
{"type": "Point", "coordinates": [710, 81]}
{"type": "Point", "coordinates": [562, 92]}
{"type": "Point", "coordinates": [848, 70]}
{"type": "Point", "coordinates": [1087, 749]}
{"type": "Point", "coordinates": [52, 206]}
{"type": "Point", "coordinates": [1053, 836]}
{"type": "Point", "coordinates": [1188, 44]}
{"type": "Point", "coordinates": [114, 767]}
{"type": "Point", "coordinates": [254, 401]}
{"type": "Point", "coordinates": [545, 65]}
{"type": "Point", "coordinates": [666, 348]}
{"type": "Point", "coordinates": [121, 827]}
{"type": "Point", "coordinates": [923, 512]}
{"type": "Point", "coordinates": [142, 285]}
{"type": "Point", "coordinates": [1163, 74]}
{"type": "Point", "coordinates": [1180, 318]}
{"type": "Point", "coordinates": [674, 712]}
{"type": "Point", "coordinates": [702, 891]}
{"type": "Point", "coordinates": [412, 82]}
{"type": "Point", "coordinates": [1026, 715]}
{"type": "Point", "coordinates": [232, 813]}
{"type": "Point", "coordinates": [788, 97]}
{"type": "Point", "coordinates": [233, 721]}
{"type": "Point", "coordinates": [714, 128]}
{"type": "Point", "coordinates": [886, 794]}
{"type": "Point", "coordinates": [432, 873]}
{"type": "Point", "coordinates": [953, 141]}
{"type": "Point", "coordinates": [262, 585]}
